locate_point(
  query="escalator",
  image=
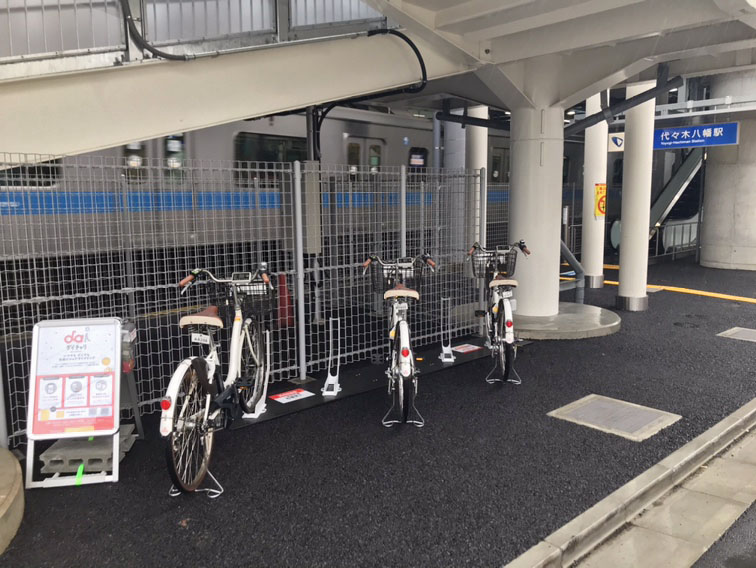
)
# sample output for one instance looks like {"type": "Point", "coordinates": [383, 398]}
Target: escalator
{"type": "Point", "coordinates": [679, 199]}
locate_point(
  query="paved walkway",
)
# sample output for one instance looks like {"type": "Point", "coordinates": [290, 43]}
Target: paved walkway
{"type": "Point", "coordinates": [677, 529]}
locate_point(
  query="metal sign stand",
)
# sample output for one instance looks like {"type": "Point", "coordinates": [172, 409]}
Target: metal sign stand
{"type": "Point", "coordinates": [447, 355]}
{"type": "Point", "coordinates": [49, 419]}
{"type": "Point", "coordinates": [260, 407]}
{"type": "Point", "coordinates": [331, 386]}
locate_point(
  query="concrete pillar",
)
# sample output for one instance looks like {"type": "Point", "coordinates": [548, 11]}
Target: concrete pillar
{"type": "Point", "coordinates": [594, 172]}
{"type": "Point", "coordinates": [728, 229]}
{"type": "Point", "coordinates": [476, 146]}
{"type": "Point", "coordinates": [537, 142]}
{"type": "Point", "coordinates": [636, 202]}
{"type": "Point", "coordinates": [454, 159]}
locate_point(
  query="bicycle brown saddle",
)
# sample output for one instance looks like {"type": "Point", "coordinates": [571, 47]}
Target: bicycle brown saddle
{"type": "Point", "coordinates": [208, 316]}
{"type": "Point", "coordinates": [401, 291]}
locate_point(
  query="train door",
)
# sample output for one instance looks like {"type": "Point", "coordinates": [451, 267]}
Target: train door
{"type": "Point", "coordinates": [364, 152]}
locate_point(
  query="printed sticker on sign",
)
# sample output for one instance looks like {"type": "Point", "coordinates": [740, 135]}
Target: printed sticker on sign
{"type": "Point", "coordinates": [291, 396]}
{"type": "Point", "coordinates": [466, 348]}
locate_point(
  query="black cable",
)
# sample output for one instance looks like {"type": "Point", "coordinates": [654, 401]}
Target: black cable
{"type": "Point", "coordinates": [142, 43]}
{"type": "Point", "coordinates": [400, 91]}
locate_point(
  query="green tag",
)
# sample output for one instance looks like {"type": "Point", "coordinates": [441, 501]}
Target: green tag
{"type": "Point", "coordinates": [79, 474]}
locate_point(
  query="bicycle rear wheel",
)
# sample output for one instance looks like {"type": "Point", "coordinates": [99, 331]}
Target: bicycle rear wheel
{"type": "Point", "coordinates": [252, 369]}
{"type": "Point", "coordinates": [191, 441]}
{"type": "Point", "coordinates": [506, 350]}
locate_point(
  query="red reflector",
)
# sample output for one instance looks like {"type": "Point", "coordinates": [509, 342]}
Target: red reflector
{"type": "Point", "coordinates": [509, 323]}
{"type": "Point", "coordinates": [165, 404]}
{"type": "Point", "coordinates": [405, 352]}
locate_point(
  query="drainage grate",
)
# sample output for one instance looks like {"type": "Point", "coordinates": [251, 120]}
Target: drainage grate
{"type": "Point", "coordinates": [742, 333]}
{"type": "Point", "coordinates": [625, 419]}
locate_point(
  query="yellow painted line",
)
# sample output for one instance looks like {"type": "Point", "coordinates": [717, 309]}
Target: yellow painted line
{"type": "Point", "coordinates": [611, 266]}
{"type": "Point", "coordinates": [690, 291]}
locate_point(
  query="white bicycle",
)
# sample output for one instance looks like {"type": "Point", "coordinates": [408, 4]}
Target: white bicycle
{"type": "Point", "coordinates": [497, 267]}
{"type": "Point", "coordinates": [198, 403]}
{"type": "Point", "coordinates": [393, 279]}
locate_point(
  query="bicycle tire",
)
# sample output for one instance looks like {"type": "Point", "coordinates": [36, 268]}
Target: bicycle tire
{"type": "Point", "coordinates": [506, 350]}
{"type": "Point", "coordinates": [188, 449]}
{"type": "Point", "coordinates": [249, 396]}
{"type": "Point", "coordinates": [408, 388]}
{"type": "Point", "coordinates": [397, 376]}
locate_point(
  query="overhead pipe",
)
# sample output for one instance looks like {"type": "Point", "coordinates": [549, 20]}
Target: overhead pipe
{"type": "Point", "coordinates": [622, 106]}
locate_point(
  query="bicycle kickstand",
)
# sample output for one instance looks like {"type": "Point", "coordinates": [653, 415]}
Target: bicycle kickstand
{"type": "Point", "coordinates": [414, 417]}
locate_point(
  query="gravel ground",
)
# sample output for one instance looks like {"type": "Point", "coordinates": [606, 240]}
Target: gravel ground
{"type": "Point", "coordinates": [487, 478]}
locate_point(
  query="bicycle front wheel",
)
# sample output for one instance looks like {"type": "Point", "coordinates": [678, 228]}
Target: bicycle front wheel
{"type": "Point", "coordinates": [252, 369]}
{"type": "Point", "coordinates": [506, 350]}
{"type": "Point", "coordinates": [191, 441]}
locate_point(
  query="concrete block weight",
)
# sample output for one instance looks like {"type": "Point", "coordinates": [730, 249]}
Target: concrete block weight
{"type": "Point", "coordinates": [65, 456]}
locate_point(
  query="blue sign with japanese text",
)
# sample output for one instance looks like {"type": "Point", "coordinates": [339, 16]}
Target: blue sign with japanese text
{"type": "Point", "coordinates": [694, 136]}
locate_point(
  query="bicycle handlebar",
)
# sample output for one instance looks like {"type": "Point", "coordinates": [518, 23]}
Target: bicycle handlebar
{"type": "Point", "coordinates": [262, 272]}
{"type": "Point", "coordinates": [520, 244]}
{"type": "Point", "coordinates": [425, 257]}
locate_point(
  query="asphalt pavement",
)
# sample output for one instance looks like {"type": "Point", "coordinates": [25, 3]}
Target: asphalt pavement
{"type": "Point", "coordinates": [487, 478]}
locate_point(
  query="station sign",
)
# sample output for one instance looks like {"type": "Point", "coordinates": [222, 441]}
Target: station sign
{"type": "Point", "coordinates": [75, 378]}
{"type": "Point", "coordinates": [599, 201]}
{"type": "Point", "coordinates": [724, 134]}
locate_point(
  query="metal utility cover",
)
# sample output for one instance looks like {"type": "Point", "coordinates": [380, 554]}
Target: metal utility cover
{"type": "Point", "coordinates": [625, 419]}
{"type": "Point", "coordinates": [742, 333]}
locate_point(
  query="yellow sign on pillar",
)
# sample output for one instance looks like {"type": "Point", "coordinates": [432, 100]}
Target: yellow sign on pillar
{"type": "Point", "coordinates": [600, 200]}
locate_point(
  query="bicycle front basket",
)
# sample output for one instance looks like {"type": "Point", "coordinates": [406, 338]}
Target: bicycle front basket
{"type": "Point", "coordinates": [482, 263]}
{"type": "Point", "coordinates": [506, 261]}
{"type": "Point", "coordinates": [257, 298]}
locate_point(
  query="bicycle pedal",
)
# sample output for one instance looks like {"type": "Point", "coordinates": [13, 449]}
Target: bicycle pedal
{"type": "Point", "coordinates": [480, 313]}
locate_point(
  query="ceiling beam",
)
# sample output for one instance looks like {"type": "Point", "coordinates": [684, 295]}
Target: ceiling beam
{"type": "Point", "coordinates": [654, 18]}
{"type": "Point", "coordinates": [538, 15]}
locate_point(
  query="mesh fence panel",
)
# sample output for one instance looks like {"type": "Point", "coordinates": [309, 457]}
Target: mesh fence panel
{"type": "Point", "coordinates": [87, 237]}
{"type": "Point", "coordinates": [99, 237]}
{"type": "Point", "coordinates": [361, 215]}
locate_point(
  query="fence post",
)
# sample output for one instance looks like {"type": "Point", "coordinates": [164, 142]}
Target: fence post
{"type": "Point", "coordinates": [483, 226]}
{"type": "Point", "coordinates": [3, 417]}
{"type": "Point", "coordinates": [403, 213]}
{"type": "Point", "coordinates": [299, 269]}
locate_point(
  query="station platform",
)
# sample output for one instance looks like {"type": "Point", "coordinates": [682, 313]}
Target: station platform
{"type": "Point", "coordinates": [489, 476]}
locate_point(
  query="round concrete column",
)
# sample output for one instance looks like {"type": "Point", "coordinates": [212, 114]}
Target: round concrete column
{"type": "Point", "coordinates": [636, 202]}
{"type": "Point", "coordinates": [728, 230]}
{"type": "Point", "coordinates": [537, 140]}
{"type": "Point", "coordinates": [454, 159]}
{"type": "Point", "coordinates": [594, 172]}
{"type": "Point", "coordinates": [476, 158]}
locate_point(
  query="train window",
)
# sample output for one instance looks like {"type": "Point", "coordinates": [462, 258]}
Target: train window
{"type": "Point", "coordinates": [251, 147]}
{"type": "Point", "coordinates": [38, 175]}
{"type": "Point", "coordinates": [498, 171]}
{"type": "Point", "coordinates": [617, 171]}
{"type": "Point", "coordinates": [135, 161]}
{"type": "Point", "coordinates": [174, 156]}
{"type": "Point", "coordinates": [354, 156]}
{"type": "Point", "coordinates": [418, 157]}
{"type": "Point", "coordinates": [375, 157]}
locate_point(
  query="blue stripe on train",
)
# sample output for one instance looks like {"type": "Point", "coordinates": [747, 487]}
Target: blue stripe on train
{"type": "Point", "coordinates": [89, 202]}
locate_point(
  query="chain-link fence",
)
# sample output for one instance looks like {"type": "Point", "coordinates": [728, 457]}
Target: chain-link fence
{"type": "Point", "coordinates": [92, 237]}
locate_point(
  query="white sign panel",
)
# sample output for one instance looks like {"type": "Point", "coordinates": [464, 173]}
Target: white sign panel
{"type": "Point", "coordinates": [75, 373]}
{"type": "Point", "coordinates": [616, 142]}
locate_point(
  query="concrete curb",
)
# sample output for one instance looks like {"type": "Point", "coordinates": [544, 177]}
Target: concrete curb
{"type": "Point", "coordinates": [586, 531]}
{"type": "Point", "coordinates": [11, 498]}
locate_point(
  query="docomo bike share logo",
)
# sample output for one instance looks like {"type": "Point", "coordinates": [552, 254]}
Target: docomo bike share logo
{"type": "Point", "coordinates": [77, 338]}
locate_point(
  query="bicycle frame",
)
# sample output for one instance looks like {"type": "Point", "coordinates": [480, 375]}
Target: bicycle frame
{"type": "Point", "coordinates": [239, 333]}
